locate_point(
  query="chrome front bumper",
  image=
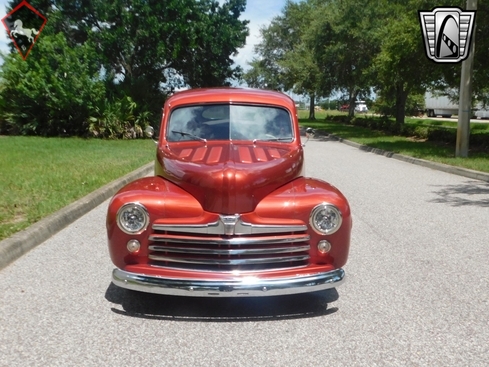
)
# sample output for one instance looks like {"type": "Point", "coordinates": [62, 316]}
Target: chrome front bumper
{"type": "Point", "coordinates": [244, 286]}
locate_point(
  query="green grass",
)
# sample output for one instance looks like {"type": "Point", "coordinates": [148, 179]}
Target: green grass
{"type": "Point", "coordinates": [482, 126]}
{"type": "Point", "coordinates": [41, 175]}
{"type": "Point", "coordinates": [436, 152]}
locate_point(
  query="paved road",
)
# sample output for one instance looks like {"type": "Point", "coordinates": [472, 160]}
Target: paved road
{"type": "Point", "coordinates": [417, 292]}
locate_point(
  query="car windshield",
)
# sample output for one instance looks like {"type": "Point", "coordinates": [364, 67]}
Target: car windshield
{"type": "Point", "coordinates": [230, 122]}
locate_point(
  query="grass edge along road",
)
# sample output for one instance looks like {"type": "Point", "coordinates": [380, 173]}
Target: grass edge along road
{"type": "Point", "coordinates": [39, 176]}
{"type": "Point", "coordinates": [409, 146]}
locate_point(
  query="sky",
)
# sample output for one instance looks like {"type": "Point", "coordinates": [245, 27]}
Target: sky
{"type": "Point", "coordinates": [258, 12]}
{"type": "Point", "coordinates": [3, 34]}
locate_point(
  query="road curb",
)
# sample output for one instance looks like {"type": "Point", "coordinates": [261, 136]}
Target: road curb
{"type": "Point", "coordinates": [21, 242]}
{"type": "Point", "coordinates": [465, 172]}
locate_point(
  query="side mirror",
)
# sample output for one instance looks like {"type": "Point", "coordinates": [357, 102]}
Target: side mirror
{"type": "Point", "coordinates": [150, 132]}
{"type": "Point", "coordinates": [309, 133]}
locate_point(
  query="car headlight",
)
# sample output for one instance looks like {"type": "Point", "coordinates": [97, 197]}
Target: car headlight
{"type": "Point", "coordinates": [325, 218]}
{"type": "Point", "coordinates": [132, 218]}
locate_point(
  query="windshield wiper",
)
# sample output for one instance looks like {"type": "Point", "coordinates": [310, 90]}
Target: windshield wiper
{"type": "Point", "coordinates": [274, 139]}
{"type": "Point", "coordinates": [184, 133]}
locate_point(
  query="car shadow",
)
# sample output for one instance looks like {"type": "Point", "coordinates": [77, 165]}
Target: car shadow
{"type": "Point", "coordinates": [203, 309]}
{"type": "Point", "coordinates": [472, 193]}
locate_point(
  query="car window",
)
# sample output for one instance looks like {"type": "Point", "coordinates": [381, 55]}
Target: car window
{"type": "Point", "coordinates": [230, 122]}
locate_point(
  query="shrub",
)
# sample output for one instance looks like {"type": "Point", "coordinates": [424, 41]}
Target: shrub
{"type": "Point", "coordinates": [442, 135]}
{"type": "Point", "coordinates": [117, 120]}
{"type": "Point", "coordinates": [52, 92]}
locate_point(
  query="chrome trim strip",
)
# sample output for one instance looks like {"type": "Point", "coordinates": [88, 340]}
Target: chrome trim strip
{"type": "Point", "coordinates": [229, 225]}
{"type": "Point", "coordinates": [204, 261]}
{"type": "Point", "coordinates": [250, 228]}
{"type": "Point", "coordinates": [208, 228]}
{"type": "Point", "coordinates": [245, 286]}
{"type": "Point", "coordinates": [226, 271]}
{"type": "Point", "coordinates": [225, 252]}
{"type": "Point", "coordinates": [231, 241]}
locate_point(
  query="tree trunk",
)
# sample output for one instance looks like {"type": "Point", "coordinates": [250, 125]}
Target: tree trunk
{"type": "Point", "coordinates": [312, 104]}
{"type": "Point", "coordinates": [351, 109]}
{"type": "Point", "coordinates": [401, 98]}
{"type": "Point", "coordinates": [353, 100]}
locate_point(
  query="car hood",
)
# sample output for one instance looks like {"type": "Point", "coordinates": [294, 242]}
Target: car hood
{"type": "Point", "coordinates": [228, 177]}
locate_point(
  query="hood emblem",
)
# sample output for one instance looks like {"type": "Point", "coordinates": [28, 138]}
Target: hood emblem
{"type": "Point", "coordinates": [229, 222]}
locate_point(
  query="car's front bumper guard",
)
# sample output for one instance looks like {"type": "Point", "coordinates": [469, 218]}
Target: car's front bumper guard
{"type": "Point", "coordinates": [245, 286]}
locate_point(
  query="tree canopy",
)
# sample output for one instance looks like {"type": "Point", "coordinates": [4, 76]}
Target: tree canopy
{"type": "Point", "coordinates": [140, 49]}
{"type": "Point", "coordinates": [357, 48]}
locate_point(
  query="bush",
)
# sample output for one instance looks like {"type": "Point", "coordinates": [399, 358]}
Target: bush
{"type": "Point", "coordinates": [337, 118]}
{"type": "Point", "coordinates": [58, 91]}
{"type": "Point", "coordinates": [52, 92]}
{"type": "Point", "coordinates": [117, 120]}
{"type": "Point", "coordinates": [444, 135]}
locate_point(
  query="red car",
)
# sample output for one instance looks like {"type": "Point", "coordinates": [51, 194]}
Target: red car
{"type": "Point", "coordinates": [229, 212]}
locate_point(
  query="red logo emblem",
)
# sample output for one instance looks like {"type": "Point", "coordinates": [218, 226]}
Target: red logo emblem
{"type": "Point", "coordinates": [24, 25]}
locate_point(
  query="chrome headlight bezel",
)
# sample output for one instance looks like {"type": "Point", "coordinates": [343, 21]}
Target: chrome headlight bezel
{"type": "Point", "coordinates": [143, 213]}
{"type": "Point", "coordinates": [319, 210]}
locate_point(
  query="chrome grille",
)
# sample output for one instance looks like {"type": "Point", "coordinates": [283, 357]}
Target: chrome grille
{"type": "Point", "coordinates": [222, 246]}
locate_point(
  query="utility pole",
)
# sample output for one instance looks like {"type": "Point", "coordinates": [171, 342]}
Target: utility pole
{"type": "Point", "coordinates": [465, 102]}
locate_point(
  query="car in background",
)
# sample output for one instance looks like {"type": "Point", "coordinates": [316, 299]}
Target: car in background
{"type": "Point", "coordinates": [228, 212]}
{"type": "Point", "coordinates": [361, 106]}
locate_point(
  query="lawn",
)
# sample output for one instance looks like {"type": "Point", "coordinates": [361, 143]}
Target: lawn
{"type": "Point", "coordinates": [38, 176]}
{"type": "Point", "coordinates": [438, 152]}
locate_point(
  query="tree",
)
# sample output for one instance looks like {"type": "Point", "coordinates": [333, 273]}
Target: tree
{"type": "Point", "coordinates": [52, 92]}
{"type": "Point", "coordinates": [302, 75]}
{"type": "Point", "coordinates": [262, 75]}
{"type": "Point", "coordinates": [301, 72]}
{"type": "Point", "coordinates": [276, 41]}
{"type": "Point", "coordinates": [144, 49]}
{"type": "Point", "coordinates": [344, 43]}
{"type": "Point", "coordinates": [398, 69]}
{"type": "Point", "coordinates": [217, 34]}
{"type": "Point", "coordinates": [285, 61]}
{"type": "Point", "coordinates": [144, 42]}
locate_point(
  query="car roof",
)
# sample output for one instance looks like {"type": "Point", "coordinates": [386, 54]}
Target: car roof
{"type": "Point", "coordinates": [231, 95]}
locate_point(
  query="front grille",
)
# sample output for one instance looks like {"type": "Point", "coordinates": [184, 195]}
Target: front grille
{"type": "Point", "coordinates": [262, 248]}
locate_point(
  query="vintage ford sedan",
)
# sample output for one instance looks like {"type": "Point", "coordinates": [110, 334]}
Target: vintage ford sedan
{"type": "Point", "coordinates": [228, 211]}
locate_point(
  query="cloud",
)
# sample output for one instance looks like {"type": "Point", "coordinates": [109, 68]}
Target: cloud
{"type": "Point", "coordinates": [259, 13]}
{"type": "Point", "coordinates": [4, 38]}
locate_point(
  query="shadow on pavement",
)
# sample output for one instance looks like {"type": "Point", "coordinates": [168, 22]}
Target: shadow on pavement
{"type": "Point", "coordinates": [160, 307]}
{"type": "Point", "coordinates": [472, 193]}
